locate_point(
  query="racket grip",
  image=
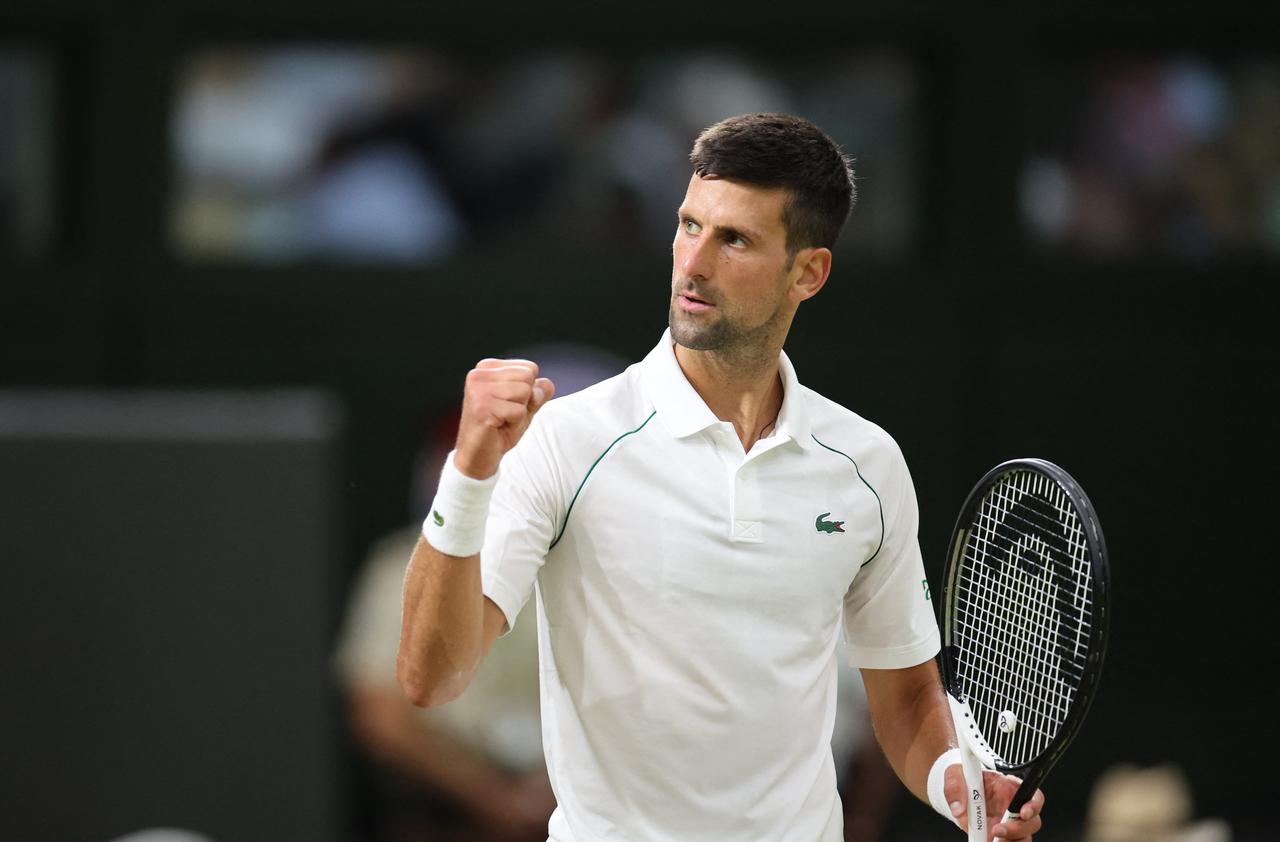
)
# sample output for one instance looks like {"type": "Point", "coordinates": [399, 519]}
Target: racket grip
{"type": "Point", "coordinates": [977, 806]}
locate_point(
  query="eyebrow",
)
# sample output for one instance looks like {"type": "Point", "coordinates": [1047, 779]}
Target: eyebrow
{"type": "Point", "coordinates": [722, 230]}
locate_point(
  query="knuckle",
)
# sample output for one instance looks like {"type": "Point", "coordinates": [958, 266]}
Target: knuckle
{"type": "Point", "coordinates": [523, 369]}
{"type": "Point", "coordinates": [510, 411]}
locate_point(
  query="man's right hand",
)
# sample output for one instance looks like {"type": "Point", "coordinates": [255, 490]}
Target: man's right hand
{"type": "Point", "coordinates": [499, 401]}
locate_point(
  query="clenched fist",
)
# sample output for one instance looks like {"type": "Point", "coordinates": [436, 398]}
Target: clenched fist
{"type": "Point", "coordinates": [499, 401]}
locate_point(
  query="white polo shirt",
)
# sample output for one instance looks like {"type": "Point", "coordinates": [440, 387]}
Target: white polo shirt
{"type": "Point", "coordinates": [690, 598]}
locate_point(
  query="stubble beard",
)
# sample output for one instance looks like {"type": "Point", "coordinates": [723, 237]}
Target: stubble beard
{"type": "Point", "coordinates": [725, 337]}
{"type": "Point", "coordinates": [714, 335]}
{"type": "Point", "coordinates": [722, 334]}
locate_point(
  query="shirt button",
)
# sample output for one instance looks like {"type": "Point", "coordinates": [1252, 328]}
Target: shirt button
{"type": "Point", "coordinates": [748, 531]}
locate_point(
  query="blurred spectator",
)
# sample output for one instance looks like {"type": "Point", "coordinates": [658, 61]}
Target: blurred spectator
{"type": "Point", "coordinates": [472, 769]}
{"type": "Point", "coordinates": [290, 154]}
{"type": "Point", "coordinates": [1173, 156]}
{"type": "Point", "coordinates": [381, 155]}
{"type": "Point", "coordinates": [374, 195]}
{"type": "Point", "coordinates": [1131, 804]}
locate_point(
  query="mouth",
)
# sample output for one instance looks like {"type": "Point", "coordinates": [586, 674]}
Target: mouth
{"type": "Point", "coordinates": [691, 303]}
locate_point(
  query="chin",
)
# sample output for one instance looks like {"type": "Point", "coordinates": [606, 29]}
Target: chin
{"type": "Point", "coordinates": [694, 336]}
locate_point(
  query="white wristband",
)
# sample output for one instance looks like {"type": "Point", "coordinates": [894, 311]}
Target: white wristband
{"type": "Point", "coordinates": [937, 775]}
{"type": "Point", "coordinates": [455, 525]}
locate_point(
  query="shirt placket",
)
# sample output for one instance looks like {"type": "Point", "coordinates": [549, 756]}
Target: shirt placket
{"type": "Point", "coordinates": [746, 510]}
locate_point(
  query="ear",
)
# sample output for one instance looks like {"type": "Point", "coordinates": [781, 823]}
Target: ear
{"type": "Point", "coordinates": [809, 273]}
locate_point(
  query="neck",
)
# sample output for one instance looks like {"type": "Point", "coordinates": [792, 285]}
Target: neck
{"type": "Point", "coordinates": [744, 388]}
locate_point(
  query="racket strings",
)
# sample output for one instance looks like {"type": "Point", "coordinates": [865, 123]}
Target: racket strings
{"type": "Point", "coordinates": [1007, 678]}
{"type": "Point", "coordinates": [1025, 630]}
{"type": "Point", "coordinates": [1023, 613]}
{"type": "Point", "coordinates": [1066, 601]}
{"type": "Point", "coordinates": [1032, 614]}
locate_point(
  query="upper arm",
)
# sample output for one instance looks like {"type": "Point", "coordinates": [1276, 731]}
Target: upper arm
{"type": "Point", "coordinates": [890, 690]}
{"type": "Point", "coordinates": [888, 609]}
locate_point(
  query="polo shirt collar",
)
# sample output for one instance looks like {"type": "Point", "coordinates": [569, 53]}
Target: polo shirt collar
{"type": "Point", "coordinates": [793, 421]}
{"type": "Point", "coordinates": [682, 412]}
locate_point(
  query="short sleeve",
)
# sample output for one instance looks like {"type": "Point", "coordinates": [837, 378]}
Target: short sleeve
{"type": "Point", "coordinates": [522, 518]}
{"type": "Point", "coordinates": [888, 613]}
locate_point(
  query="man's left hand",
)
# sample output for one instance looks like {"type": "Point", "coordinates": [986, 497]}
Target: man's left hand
{"type": "Point", "coordinates": [1000, 790]}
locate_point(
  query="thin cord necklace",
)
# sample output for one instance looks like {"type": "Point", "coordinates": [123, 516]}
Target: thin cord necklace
{"type": "Point", "coordinates": [766, 428]}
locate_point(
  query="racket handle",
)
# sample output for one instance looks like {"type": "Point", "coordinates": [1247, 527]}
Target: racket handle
{"type": "Point", "coordinates": [977, 805]}
{"type": "Point", "coordinates": [973, 777]}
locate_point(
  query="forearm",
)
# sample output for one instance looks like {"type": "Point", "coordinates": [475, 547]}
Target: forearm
{"type": "Point", "coordinates": [912, 723]}
{"type": "Point", "coordinates": [442, 628]}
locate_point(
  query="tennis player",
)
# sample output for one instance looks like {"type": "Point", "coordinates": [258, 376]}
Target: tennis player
{"type": "Point", "coordinates": [695, 533]}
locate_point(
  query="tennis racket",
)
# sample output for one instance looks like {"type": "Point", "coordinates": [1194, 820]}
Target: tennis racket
{"type": "Point", "coordinates": [1025, 610]}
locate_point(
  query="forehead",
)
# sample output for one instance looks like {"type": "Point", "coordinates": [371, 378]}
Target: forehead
{"type": "Point", "coordinates": [734, 204]}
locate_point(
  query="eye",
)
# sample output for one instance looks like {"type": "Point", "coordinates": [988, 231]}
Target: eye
{"type": "Point", "coordinates": [735, 240]}
{"type": "Point", "coordinates": [690, 227]}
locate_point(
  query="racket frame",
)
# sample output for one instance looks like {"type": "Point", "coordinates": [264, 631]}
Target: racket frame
{"type": "Point", "coordinates": [1034, 771]}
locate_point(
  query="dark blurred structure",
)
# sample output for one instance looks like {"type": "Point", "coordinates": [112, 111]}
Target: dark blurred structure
{"type": "Point", "coordinates": [1155, 350]}
{"type": "Point", "coordinates": [169, 564]}
{"type": "Point", "coordinates": [28, 128]}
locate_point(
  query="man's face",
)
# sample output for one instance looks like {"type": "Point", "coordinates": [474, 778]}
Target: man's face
{"type": "Point", "coordinates": [730, 268]}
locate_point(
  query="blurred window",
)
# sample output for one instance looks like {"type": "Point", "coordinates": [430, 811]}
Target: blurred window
{"type": "Point", "coordinates": [27, 144]}
{"type": "Point", "coordinates": [1177, 157]}
{"type": "Point", "coordinates": [407, 156]}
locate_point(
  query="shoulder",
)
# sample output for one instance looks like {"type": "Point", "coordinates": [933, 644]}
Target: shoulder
{"type": "Point", "coordinates": [607, 409]}
{"type": "Point", "coordinates": [843, 425]}
{"type": "Point", "coordinates": [840, 430]}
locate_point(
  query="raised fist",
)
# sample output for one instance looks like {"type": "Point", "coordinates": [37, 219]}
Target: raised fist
{"type": "Point", "coordinates": [499, 401]}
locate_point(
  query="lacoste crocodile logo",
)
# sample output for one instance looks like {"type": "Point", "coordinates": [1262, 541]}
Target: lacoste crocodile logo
{"type": "Point", "coordinates": [828, 526]}
{"type": "Point", "coordinates": [437, 517]}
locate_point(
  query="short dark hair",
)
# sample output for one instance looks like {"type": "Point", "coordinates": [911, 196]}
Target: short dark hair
{"type": "Point", "coordinates": [779, 150]}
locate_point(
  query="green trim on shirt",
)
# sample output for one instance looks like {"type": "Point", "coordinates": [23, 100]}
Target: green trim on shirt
{"type": "Point", "coordinates": [868, 485]}
{"type": "Point", "coordinates": [569, 511]}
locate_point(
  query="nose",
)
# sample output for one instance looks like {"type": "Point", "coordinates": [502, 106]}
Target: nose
{"type": "Point", "coordinates": [696, 255]}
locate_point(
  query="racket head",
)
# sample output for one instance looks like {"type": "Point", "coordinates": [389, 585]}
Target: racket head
{"type": "Point", "coordinates": [1025, 615]}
